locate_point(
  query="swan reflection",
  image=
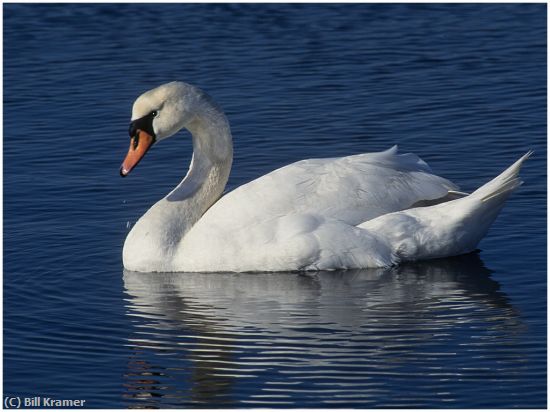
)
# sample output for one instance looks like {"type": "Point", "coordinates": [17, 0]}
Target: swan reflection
{"type": "Point", "coordinates": [313, 338]}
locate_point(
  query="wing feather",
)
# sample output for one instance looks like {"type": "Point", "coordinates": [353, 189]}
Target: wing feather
{"type": "Point", "coordinates": [351, 189]}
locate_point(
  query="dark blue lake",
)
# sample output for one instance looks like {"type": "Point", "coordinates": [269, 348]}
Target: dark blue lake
{"type": "Point", "coordinates": [462, 86]}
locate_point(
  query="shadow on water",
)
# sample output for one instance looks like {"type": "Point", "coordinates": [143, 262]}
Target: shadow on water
{"type": "Point", "coordinates": [276, 339]}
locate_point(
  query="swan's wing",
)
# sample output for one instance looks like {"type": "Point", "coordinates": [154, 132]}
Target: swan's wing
{"type": "Point", "coordinates": [350, 189]}
{"type": "Point", "coordinates": [312, 241]}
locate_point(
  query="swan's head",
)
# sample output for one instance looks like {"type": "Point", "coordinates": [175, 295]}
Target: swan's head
{"type": "Point", "coordinates": [157, 114]}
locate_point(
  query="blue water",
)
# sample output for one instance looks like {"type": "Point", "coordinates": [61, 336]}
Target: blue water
{"type": "Point", "coordinates": [462, 86]}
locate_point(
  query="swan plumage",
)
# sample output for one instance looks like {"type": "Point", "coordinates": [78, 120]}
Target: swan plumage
{"type": "Point", "coordinates": [348, 212]}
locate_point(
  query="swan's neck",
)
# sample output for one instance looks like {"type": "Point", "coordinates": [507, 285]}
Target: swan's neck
{"type": "Point", "coordinates": [210, 165]}
{"type": "Point", "coordinates": [155, 237]}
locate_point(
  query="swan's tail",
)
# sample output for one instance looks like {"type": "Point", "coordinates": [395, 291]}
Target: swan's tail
{"type": "Point", "coordinates": [502, 185]}
{"type": "Point", "coordinates": [482, 207]}
{"type": "Point", "coordinates": [446, 229]}
{"type": "Point", "coordinates": [470, 218]}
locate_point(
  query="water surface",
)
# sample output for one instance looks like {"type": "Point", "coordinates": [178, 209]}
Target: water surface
{"type": "Point", "coordinates": [462, 86]}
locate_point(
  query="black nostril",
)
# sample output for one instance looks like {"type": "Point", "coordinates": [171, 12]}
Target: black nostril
{"type": "Point", "coordinates": [135, 141]}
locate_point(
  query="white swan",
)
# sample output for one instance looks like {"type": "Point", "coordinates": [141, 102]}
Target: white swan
{"type": "Point", "coordinates": [350, 212]}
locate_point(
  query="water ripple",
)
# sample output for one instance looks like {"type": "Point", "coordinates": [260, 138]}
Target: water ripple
{"type": "Point", "coordinates": [463, 86]}
{"type": "Point", "coordinates": [291, 335]}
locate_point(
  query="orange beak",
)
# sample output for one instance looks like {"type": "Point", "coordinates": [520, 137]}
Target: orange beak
{"type": "Point", "coordinates": [139, 145]}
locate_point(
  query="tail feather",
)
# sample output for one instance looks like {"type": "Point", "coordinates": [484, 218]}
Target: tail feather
{"type": "Point", "coordinates": [503, 184]}
{"type": "Point", "coordinates": [445, 229]}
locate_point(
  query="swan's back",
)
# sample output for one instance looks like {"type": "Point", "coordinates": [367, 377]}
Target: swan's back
{"type": "Point", "coordinates": [351, 189]}
{"type": "Point", "coordinates": [280, 217]}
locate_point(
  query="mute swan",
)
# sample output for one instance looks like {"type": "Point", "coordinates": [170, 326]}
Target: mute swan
{"type": "Point", "coordinates": [350, 212]}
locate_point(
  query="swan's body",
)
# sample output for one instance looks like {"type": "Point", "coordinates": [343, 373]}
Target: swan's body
{"type": "Point", "coordinates": [350, 212]}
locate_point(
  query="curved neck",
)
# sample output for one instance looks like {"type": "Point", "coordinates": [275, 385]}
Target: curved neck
{"type": "Point", "coordinates": [156, 235]}
{"type": "Point", "coordinates": [211, 162]}
{"type": "Point", "coordinates": [209, 168]}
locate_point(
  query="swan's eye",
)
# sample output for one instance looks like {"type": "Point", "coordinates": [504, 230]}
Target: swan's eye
{"type": "Point", "coordinates": [154, 113]}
